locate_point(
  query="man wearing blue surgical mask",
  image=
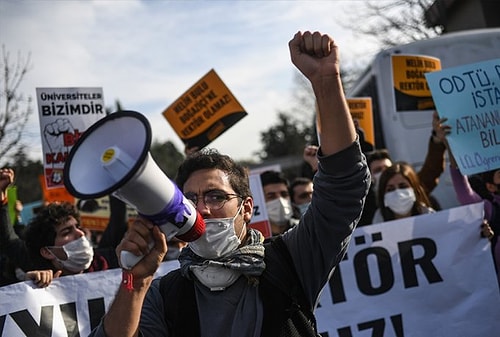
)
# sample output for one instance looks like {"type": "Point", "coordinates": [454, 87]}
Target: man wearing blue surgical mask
{"type": "Point", "coordinates": [301, 190]}
{"type": "Point", "coordinates": [281, 213]}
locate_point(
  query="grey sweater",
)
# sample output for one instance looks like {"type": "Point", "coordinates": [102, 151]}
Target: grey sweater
{"type": "Point", "coordinates": [316, 245]}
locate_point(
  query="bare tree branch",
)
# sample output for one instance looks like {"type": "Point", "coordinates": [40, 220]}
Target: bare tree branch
{"type": "Point", "coordinates": [15, 108]}
{"type": "Point", "coordinates": [391, 23]}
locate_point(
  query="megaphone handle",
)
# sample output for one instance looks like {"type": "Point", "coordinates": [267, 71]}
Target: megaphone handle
{"type": "Point", "coordinates": [129, 260]}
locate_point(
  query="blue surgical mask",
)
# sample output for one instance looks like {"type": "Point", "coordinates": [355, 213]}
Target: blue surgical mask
{"type": "Point", "coordinates": [303, 207]}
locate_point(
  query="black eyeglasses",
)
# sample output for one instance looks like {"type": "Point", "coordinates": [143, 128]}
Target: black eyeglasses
{"type": "Point", "coordinates": [214, 200]}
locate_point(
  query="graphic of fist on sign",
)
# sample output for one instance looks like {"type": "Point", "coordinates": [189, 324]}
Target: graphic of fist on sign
{"type": "Point", "coordinates": [60, 135]}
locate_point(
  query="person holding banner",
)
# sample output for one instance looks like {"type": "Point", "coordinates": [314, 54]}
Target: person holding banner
{"type": "Point", "coordinates": [228, 282]}
{"type": "Point", "coordinates": [467, 195]}
{"type": "Point", "coordinates": [14, 262]}
{"type": "Point", "coordinates": [428, 175]}
{"type": "Point", "coordinates": [54, 244]}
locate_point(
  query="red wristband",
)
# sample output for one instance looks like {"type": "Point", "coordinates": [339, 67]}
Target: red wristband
{"type": "Point", "coordinates": [127, 280]}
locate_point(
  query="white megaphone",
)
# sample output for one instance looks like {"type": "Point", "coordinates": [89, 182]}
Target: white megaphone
{"type": "Point", "coordinates": [112, 157]}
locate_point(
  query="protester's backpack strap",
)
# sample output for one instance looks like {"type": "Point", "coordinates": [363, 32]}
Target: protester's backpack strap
{"type": "Point", "coordinates": [179, 303]}
{"type": "Point", "coordinates": [283, 297]}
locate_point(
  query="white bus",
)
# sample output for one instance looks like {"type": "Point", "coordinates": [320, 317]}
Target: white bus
{"type": "Point", "coordinates": [406, 133]}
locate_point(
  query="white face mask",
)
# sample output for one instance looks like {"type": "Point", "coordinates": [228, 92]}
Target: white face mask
{"type": "Point", "coordinates": [400, 201]}
{"type": "Point", "coordinates": [79, 252]}
{"type": "Point", "coordinates": [219, 238]}
{"type": "Point", "coordinates": [279, 211]}
{"type": "Point", "coordinates": [215, 278]}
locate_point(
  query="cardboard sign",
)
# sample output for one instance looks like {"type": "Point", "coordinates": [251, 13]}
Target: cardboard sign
{"type": "Point", "coordinates": [65, 113]}
{"type": "Point", "coordinates": [204, 111]}
{"type": "Point", "coordinates": [469, 96]}
{"type": "Point", "coordinates": [54, 194]}
{"type": "Point", "coordinates": [410, 86]}
{"type": "Point", "coordinates": [362, 114]}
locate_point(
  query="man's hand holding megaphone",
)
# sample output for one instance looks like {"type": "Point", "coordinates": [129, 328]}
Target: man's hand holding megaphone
{"type": "Point", "coordinates": [137, 241]}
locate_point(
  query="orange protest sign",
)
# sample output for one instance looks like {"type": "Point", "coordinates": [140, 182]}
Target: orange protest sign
{"type": "Point", "coordinates": [204, 111]}
{"type": "Point", "coordinates": [55, 194]}
{"type": "Point", "coordinates": [362, 115]}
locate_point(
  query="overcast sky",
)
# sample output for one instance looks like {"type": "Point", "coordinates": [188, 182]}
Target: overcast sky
{"type": "Point", "coordinates": [147, 53]}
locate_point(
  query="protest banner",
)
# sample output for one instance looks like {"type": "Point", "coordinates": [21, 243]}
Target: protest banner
{"type": "Point", "coordinates": [469, 96]}
{"type": "Point", "coordinates": [362, 115]}
{"type": "Point", "coordinates": [429, 275]}
{"type": "Point", "coordinates": [260, 219]}
{"type": "Point", "coordinates": [411, 91]}
{"type": "Point", "coordinates": [64, 114]}
{"type": "Point", "coordinates": [204, 111]}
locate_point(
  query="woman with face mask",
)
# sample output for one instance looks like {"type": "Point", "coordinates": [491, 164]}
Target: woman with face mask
{"type": "Point", "coordinates": [400, 194]}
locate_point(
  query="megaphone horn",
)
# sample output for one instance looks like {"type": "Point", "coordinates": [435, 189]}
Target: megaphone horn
{"type": "Point", "coordinates": [112, 157]}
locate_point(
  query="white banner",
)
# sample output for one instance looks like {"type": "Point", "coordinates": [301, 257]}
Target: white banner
{"type": "Point", "coordinates": [430, 275]}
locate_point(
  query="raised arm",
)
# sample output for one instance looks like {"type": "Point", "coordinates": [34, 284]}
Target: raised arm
{"type": "Point", "coordinates": [316, 56]}
{"type": "Point", "coordinates": [465, 194]}
{"type": "Point", "coordinates": [434, 163]}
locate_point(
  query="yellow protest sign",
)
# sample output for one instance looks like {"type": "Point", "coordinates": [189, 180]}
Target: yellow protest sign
{"type": "Point", "coordinates": [204, 111]}
{"type": "Point", "coordinates": [410, 86]}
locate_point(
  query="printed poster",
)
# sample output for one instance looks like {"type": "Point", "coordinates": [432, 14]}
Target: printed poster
{"type": "Point", "coordinates": [65, 113]}
{"type": "Point", "coordinates": [204, 111]}
{"type": "Point", "coordinates": [362, 115]}
{"type": "Point", "coordinates": [411, 91]}
{"type": "Point", "coordinates": [469, 96]}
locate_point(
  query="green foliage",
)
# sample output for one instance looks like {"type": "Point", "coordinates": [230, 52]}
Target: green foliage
{"type": "Point", "coordinates": [26, 177]}
{"type": "Point", "coordinates": [287, 137]}
{"type": "Point", "coordinates": [167, 157]}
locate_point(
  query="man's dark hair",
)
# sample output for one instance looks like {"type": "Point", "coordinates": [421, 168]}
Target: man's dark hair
{"type": "Point", "coordinates": [41, 230]}
{"type": "Point", "coordinates": [212, 159]}
{"type": "Point", "coordinates": [296, 182]}
{"type": "Point", "coordinates": [377, 155]}
{"type": "Point", "coordinates": [273, 177]}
